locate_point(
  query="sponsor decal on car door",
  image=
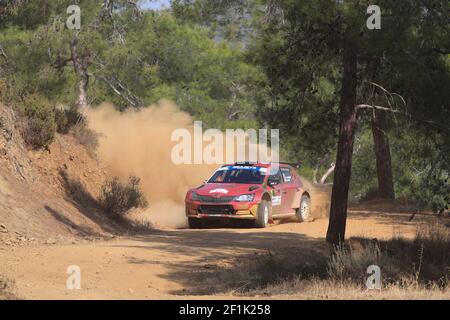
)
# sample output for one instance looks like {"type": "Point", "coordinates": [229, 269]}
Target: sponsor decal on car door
{"type": "Point", "coordinates": [274, 184]}
{"type": "Point", "coordinates": [288, 190]}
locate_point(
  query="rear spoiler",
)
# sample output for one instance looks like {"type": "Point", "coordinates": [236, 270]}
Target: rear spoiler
{"type": "Point", "coordinates": [292, 164]}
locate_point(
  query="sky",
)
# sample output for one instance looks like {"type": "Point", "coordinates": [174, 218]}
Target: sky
{"type": "Point", "coordinates": [154, 4]}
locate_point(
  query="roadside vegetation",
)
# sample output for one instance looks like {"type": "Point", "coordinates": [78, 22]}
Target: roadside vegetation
{"type": "Point", "coordinates": [117, 198]}
{"type": "Point", "coordinates": [410, 268]}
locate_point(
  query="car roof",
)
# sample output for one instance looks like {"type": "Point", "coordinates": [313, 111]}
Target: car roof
{"type": "Point", "coordinates": [258, 164]}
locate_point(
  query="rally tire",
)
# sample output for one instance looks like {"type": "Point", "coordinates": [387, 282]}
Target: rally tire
{"type": "Point", "coordinates": [304, 213]}
{"type": "Point", "coordinates": [263, 214]}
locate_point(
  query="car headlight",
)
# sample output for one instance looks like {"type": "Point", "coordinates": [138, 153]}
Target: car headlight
{"type": "Point", "coordinates": [245, 197]}
{"type": "Point", "coordinates": [195, 196]}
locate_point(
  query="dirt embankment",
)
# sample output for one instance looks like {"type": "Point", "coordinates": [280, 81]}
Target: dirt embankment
{"type": "Point", "coordinates": [37, 188]}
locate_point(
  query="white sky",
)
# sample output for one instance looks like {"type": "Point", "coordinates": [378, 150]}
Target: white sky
{"type": "Point", "coordinates": [154, 4]}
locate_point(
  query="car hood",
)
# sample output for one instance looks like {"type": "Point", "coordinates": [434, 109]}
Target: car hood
{"type": "Point", "coordinates": [226, 189]}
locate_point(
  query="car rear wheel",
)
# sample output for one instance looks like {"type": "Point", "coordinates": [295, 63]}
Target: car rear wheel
{"type": "Point", "coordinates": [304, 211]}
{"type": "Point", "coordinates": [263, 214]}
{"type": "Point", "coordinates": [195, 223]}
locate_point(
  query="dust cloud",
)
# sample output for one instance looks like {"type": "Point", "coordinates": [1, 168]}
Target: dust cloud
{"type": "Point", "coordinates": [320, 197]}
{"type": "Point", "coordinates": [138, 142]}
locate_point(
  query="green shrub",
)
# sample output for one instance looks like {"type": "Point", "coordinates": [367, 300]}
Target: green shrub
{"type": "Point", "coordinates": [70, 120]}
{"type": "Point", "coordinates": [39, 126]}
{"type": "Point", "coordinates": [117, 197]}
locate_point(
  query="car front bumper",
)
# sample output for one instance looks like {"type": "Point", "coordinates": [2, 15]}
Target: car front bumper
{"type": "Point", "coordinates": [233, 210]}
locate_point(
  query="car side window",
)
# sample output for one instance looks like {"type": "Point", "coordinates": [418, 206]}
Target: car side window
{"type": "Point", "coordinates": [275, 177]}
{"type": "Point", "coordinates": [287, 175]}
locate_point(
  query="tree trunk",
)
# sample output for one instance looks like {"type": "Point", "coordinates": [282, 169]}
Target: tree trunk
{"type": "Point", "coordinates": [383, 158]}
{"type": "Point", "coordinates": [80, 66]}
{"type": "Point", "coordinates": [381, 142]}
{"type": "Point", "coordinates": [342, 173]}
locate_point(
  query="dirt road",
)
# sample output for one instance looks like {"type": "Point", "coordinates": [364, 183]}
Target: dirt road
{"type": "Point", "coordinates": [171, 264]}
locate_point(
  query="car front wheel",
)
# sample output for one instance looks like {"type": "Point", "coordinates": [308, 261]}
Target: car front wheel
{"type": "Point", "coordinates": [263, 214]}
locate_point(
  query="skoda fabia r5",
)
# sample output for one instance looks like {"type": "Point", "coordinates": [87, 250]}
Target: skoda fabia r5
{"type": "Point", "coordinates": [261, 192]}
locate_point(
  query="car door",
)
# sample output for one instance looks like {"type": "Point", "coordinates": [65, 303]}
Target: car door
{"type": "Point", "coordinates": [275, 185]}
{"type": "Point", "coordinates": [288, 188]}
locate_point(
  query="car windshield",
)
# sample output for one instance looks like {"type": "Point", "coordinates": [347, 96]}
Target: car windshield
{"type": "Point", "coordinates": [239, 174]}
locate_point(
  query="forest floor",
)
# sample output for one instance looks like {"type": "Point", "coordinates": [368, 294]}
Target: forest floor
{"type": "Point", "coordinates": [207, 263]}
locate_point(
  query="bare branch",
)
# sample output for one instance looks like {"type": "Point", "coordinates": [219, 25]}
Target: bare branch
{"type": "Point", "coordinates": [374, 107]}
{"type": "Point", "coordinates": [437, 50]}
{"type": "Point", "coordinates": [234, 114]}
{"type": "Point", "coordinates": [319, 164]}
{"type": "Point", "coordinates": [327, 174]}
{"type": "Point", "coordinates": [391, 94]}
{"type": "Point", "coordinates": [115, 85]}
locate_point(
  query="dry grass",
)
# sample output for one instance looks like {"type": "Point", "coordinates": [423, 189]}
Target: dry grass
{"type": "Point", "coordinates": [86, 137]}
{"type": "Point", "coordinates": [137, 227]}
{"type": "Point", "coordinates": [298, 288]}
{"type": "Point", "coordinates": [410, 269]}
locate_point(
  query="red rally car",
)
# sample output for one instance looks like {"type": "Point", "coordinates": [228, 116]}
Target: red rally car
{"type": "Point", "coordinates": [257, 191]}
